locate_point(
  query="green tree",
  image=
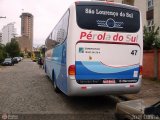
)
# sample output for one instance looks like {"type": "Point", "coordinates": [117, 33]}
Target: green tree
{"type": "Point", "coordinates": [12, 48]}
{"type": "Point", "coordinates": [151, 38]}
{"type": "Point", "coordinates": [29, 55]}
{"type": "Point", "coordinates": [21, 54]}
{"type": "Point", "coordinates": [42, 51]}
{"type": "Point", "coordinates": [3, 53]}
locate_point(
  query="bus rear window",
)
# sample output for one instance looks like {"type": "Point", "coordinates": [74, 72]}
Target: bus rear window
{"type": "Point", "coordinates": [107, 18]}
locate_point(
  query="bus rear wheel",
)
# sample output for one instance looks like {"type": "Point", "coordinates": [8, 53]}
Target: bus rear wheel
{"type": "Point", "coordinates": [55, 87]}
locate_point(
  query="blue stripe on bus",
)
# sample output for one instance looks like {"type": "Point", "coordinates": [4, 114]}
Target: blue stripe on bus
{"type": "Point", "coordinates": [58, 64]}
{"type": "Point", "coordinates": [96, 70]}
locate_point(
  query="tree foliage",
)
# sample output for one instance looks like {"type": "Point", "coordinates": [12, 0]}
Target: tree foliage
{"type": "Point", "coordinates": [3, 53]}
{"type": "Point", "coordinates": [12, 48]}
{"type": "Point", "coordinates": [151, 38]}
{"type": "Point", "coordinates": [42, 51]}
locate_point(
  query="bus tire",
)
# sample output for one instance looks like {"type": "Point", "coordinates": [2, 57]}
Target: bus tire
{"type": "Point", "coordinates": [56, 89]}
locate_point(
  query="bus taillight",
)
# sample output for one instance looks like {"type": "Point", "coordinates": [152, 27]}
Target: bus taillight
{"type": "Point", "coordinates": [140, 70]}
{"type": "Point", "coordinates": [71, 70]}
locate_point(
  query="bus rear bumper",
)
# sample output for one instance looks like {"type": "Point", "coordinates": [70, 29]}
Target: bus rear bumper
{"type": "Point", "coordinates": [75, 89]}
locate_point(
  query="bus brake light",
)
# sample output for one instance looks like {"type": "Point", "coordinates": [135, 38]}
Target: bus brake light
{"type": "Point", "coordinates": [84, 88]}
{"type": "Point", "coordinates": [71, 70]}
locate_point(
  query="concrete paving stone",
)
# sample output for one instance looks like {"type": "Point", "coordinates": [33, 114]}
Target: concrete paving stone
{"type": "Point", "coordinates": [150, 88]}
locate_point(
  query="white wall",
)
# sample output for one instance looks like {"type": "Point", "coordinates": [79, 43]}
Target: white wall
{"type": "Point", "coordinates": [0, 37]}
{"type": "Point", "coordinates": [8, 33]}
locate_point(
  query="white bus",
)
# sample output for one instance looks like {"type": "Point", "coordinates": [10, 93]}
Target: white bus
{"type": "Point", "coordinates": [96, 49]}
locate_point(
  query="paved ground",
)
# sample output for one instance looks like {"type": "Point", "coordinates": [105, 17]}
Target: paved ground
{"type": "Point", "coordinates": [25, 89]}
{"type": "Point", "coordinates": [150, 88]}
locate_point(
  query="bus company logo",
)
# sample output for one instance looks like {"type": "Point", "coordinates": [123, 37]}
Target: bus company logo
{"type": "Point", "coordinates": [81, 50]}
{"type": "Point", "coordinates": [109, 23]}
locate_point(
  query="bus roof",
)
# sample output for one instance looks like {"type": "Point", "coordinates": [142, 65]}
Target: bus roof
{"type": "Point", "coordinates": [107, 4]}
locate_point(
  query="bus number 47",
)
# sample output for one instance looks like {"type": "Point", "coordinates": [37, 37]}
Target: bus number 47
{"type": "Point", "coordinates": [134, 52]}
